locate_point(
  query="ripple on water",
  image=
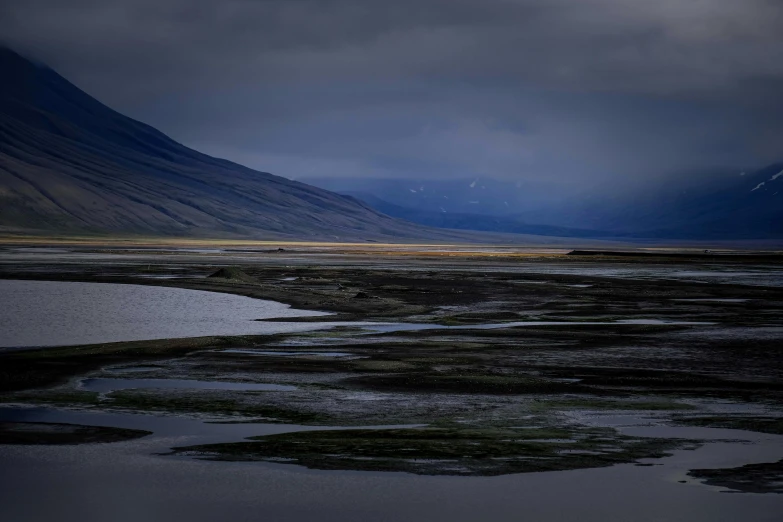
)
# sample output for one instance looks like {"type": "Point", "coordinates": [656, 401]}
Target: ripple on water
{"type": "Point", "coordinates": [269, 353]}
{"type": "Point", "coordinates": [105, 385]}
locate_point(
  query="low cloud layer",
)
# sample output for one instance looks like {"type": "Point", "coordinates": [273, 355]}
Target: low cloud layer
{"type": "Point", "coordinates": [579, 91]}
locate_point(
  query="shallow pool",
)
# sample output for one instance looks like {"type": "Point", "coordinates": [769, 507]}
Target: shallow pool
{"type": "Point", "coordinates": [56, 313]}
{"type": "Point", "coordinates": [131, 481]}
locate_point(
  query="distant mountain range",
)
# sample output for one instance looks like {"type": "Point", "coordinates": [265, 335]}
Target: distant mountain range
{"type": "Point", "coordinates": [480, 222]}
{"type": "Point", "coordinates": [484, 196]}
{"type": "Point", "coordinates": [724, 205]}
{"type": "Point", "coordinates": [69, 164]}
{"type": "Point", "coordinates": [737, 205]}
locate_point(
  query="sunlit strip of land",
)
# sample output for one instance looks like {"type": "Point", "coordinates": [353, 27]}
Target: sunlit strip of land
{"type": "Point", "coordinates": [369, 248]}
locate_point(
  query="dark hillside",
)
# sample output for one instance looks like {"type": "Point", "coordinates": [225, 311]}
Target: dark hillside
{"type": "Point", "coordinates": [70, 164]}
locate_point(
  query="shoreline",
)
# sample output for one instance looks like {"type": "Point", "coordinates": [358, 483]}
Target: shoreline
{"type": "Point", "coordinates": [463, 383]}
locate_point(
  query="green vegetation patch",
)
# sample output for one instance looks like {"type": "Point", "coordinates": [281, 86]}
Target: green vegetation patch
{"type": "Point", "coordinates": [232, 273]}
{"type": "Point", "coordinates": [54, 396]}
{"type": "Point", "coordinates": [442, 451]}
{"type": "Point", "coordinates": [466, 382]}
{"type": "Point", "coordinates": [752, 478]}
{"type": "Point", "coordinates": [610, 405]}
{"type": "Point", "coordinates": [378, 365]}
{"type": "Point", "coordinates": [773, 425]}
{"type": "Point", "coordinates": [63, 434]}
{"type": "Point", "coordinates": [209, 403]}
{"type": "Point", "coordinates": [27, 369]}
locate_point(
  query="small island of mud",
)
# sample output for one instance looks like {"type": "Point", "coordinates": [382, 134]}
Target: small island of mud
{"type": "Point", "coordinates": [30, 433]}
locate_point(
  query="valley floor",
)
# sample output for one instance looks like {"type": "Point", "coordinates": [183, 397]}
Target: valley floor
{"type": "Point", "coordinates": [472, 365]}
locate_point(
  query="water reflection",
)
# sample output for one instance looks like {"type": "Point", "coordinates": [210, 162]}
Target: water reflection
{"type": "Point", "coordinates": [103, 385]}
{"type": "Point", "coordinates": [55, 313]}
{"type": "Point", "coordinates": [129, 481]}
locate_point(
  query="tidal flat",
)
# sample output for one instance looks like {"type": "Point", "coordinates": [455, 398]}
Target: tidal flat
{"type": "Point", "coordinates": [527, 380]}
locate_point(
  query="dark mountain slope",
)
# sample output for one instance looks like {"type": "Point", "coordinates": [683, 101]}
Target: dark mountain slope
{"type": "Point", "coordinates": [70, 164]}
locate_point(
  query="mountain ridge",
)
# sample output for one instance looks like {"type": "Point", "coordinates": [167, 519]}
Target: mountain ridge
{"type": "Point", "coordinates": [69, 164]}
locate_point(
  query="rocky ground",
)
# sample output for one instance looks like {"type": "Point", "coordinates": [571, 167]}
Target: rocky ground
{"type": "Point", "coordinates": [468, 399]}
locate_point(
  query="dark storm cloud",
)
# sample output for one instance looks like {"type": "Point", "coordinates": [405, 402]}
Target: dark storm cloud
{"type": "Point", "coordinates": [570, 89]}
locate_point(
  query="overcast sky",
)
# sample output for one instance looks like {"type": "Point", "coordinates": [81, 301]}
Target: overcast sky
{"type": "Point", "coordinates": [581, 91]}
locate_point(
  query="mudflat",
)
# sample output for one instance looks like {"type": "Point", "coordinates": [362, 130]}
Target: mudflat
{"type": "Point", "coordinates": [474, 362]}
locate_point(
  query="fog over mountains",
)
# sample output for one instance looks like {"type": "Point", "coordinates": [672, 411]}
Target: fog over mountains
{"type": "Point", "coordinates": [718, 205]}
{"type": "Point", "coordinates": [69, 164]}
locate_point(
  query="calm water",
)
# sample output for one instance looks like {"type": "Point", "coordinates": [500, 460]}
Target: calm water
{"type": "Point", "coordinates": [56, 313]}
{"type": "Point", "coordinates": [49, 313]}
{"type": "Point", "coordinates": [407, 327]}
{"type": "Point", "coordinates": [131, 481]}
